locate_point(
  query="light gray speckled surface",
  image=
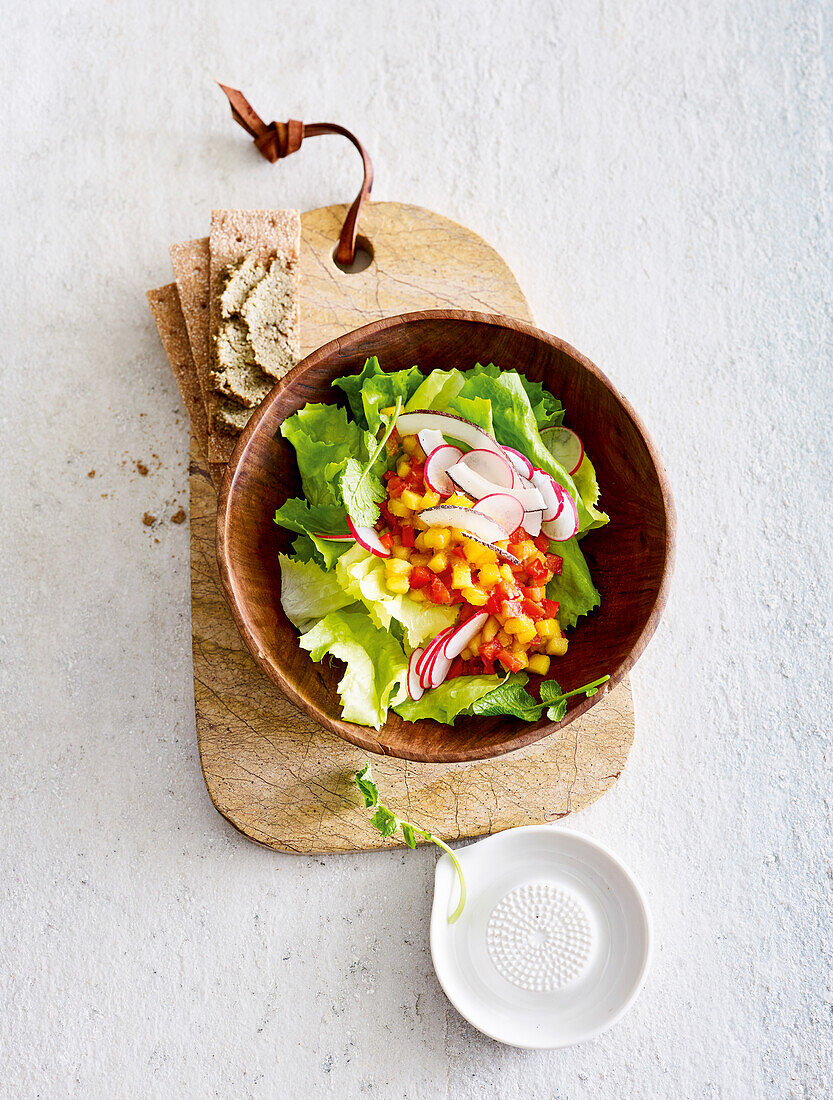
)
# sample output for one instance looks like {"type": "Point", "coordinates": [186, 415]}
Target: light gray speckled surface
{"type": "Point", "coordinates": [658, 177]}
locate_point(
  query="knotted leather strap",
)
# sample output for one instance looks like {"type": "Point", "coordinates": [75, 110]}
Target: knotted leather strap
{"type": "Point", "coordinates": [278, 139]}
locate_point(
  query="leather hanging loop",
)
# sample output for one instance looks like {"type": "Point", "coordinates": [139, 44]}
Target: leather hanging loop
{"type": "Point", "coordinates": [276, 140]}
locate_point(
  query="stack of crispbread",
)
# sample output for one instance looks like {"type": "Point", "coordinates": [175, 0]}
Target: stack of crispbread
{"type": "Point", "coordinates": [230, 323]}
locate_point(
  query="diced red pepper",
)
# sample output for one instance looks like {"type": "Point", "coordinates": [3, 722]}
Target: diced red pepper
{"type": "Point", "coordinates": [518, 535]}
{"type": "Point", "coordinates": [489, 650]}
{"type": "Point", "coordinates": [533, 610]}
{"type": "Point", "coordinates": [459, 552]}
{"type": "Point", "coordinates": [407, 535]}
{"type": "Point", "coordinates": [507, 591]}
{"type": "Point", "coordinates": [538, 570]}
{"type": "Point", "coordinates": [456, 669]}
{"type": "Point", "coordinates": [512, 609]}
{"type": "Point", "coordinates": [494, 603]}
{"type": "Point", "coordinates": [550, 608]}
{"type": "Point", "coordinates": [438, 591]}
{"type": "Point", "coordinates": [542, 543]}
{"type": "Point", "coordinates": [554, 564]}
{"type": "Point", "coordinates": [386, 539]}
{"type": "Point", "coordinates": [395, 486]}
{"type": "Point", "coordinates": [510, 661]}
{"type": "Point", "coordinates": [420, 576]}
{"type": "Point", "coordinates": [388, 516]}
{"type": "Point", "coordinates": [532, 593]}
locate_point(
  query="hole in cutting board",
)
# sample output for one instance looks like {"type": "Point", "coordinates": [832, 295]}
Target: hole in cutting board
{"type": "Point", "coordinates": [362, 259]}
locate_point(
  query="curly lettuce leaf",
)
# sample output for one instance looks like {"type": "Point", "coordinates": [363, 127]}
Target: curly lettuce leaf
{"type": "Point", "coordinates": [308, 593]}
{"type": "Point", "coordinates": [362, 576]}
{"type": "Point", "coordinates": [377, 667]}
{"type": "Point", "coordinates": [450, 699]}
{"type": "Point", "coordinates": [588, 486]}
{"type": "Point", "coordinates": [324, 439]}
{"type": "Point", "coordinates": [320, 519]}
{"type": "Point", "coordinates": [372, 390]}
{"type": "Point", "coordinates": [574, 588]}
{"type": "Point", "coordinates": [436, 391]}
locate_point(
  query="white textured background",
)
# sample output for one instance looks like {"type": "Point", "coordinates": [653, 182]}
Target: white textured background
{"type": "Point", "coordinates": [657, 174]}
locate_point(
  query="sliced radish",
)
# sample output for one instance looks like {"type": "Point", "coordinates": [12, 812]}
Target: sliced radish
{"type": "Point", "coordinates": [565, 524]}
{"type": "Point", "coordinates": [470, 481]}
{"type": "Point", "coordinates": [467, 519]}
{"type": "Point", "coordinates": [491, 465]}
{"type": "Point", "coordinates": [521, 463]}
{"type": "Point", "coordinates": [436, 465]}
{"type": "Point", "coordinates": [532, 523]}
{"type": "Point", "coordinates": [549, 488]}
{"type": "Point", "coordinates": [335, 538]}
{"type": "Point", "coordinates": [439, 670]}
{"type": "Point", "coordinates": [504, 509]}
{"type": "Point", "coordinates": [367, 537]}
{"type": "Point", "coordinates": [429, 439]}
{"type": "Point", "coordinates": [564, 446]}
{"type": "Point", "coordinates": [426, 661]}
{"type": "Point", "coordinates": [412, 423]}
{"type": "Point", "coordinates": [461, 637]}
{"type": "Point", "coordinates": [415, 688]}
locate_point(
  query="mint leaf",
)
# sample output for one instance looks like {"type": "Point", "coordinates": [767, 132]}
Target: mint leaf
{"type": "Point", "coordinates": [557, 712]}
{"type": "Point", "coordinates": [408, 834]}
{"type": "Point", "coordinates": [510, 698]}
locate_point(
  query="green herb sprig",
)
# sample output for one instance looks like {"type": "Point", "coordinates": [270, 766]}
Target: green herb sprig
{"type": "Point", "coordinates": [361, 489]}
{"type": "Point", "coordinates": [513, 698]}
{"type": "Point", "coordinates": [387, 823]}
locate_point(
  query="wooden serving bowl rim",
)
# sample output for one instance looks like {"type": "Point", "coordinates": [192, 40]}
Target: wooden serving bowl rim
{"type": "Point", "coordinates": [364, 737]}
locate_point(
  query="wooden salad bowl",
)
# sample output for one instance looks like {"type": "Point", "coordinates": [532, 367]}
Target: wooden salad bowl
{"type": "Point", "coordinates": [630, 559]}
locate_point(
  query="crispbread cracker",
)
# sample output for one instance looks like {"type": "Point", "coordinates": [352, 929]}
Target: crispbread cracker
{"type": "Point", "coordinates": [167, 313]}
{"type": "Point", "coordinates": [237, 235]}
{"type": "Point", "coordinates": [190, 261]}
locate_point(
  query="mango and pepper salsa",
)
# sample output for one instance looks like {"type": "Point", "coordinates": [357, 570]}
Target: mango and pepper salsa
{"type": "Point", "coordinates": [442, 565]}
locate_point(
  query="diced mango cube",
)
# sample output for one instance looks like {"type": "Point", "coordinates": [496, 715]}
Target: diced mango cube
{"type": "Point", "coordinates": [460, 575]}
{"type": "Point", "coordinates": [403, 467]}
{"type": "Point", "coordinates": [435, 538]}
{"type": "Point", "coordinates": [399, 508]}
{"type": "Point", "coordinates": [429, 499]}
{"type": "Point", "coordinates": [539, 664]}
{"type": "Point", "coordinates": [548, 628]}
{"type": "Point", "coordinates": [410, 499]}
{"type": "Point", "coordinates": [507, 574]}
{"type": "Point", "coordinates": [398, 584]}
{"type": "Point", "coordinates": [490, 629]}
{"type": "Point", "coordinates": [475, 596]}
{"type": "Point", "coordinates": [439, 562]}
{"type": "Point", "coordinates": [557, 647]}
{"type": "Point", "coordinates": [397, 566]}
{"type": "Point", "coordinates": [409, 444]}
{"type": "Point", "coordinates": [488, 576]}
{"type": "Point", "coordinates": [459, 500]}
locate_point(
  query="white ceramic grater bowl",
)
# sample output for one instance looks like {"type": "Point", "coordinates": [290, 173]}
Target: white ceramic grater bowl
{"type": "Point", "coordinates": [554, 943]}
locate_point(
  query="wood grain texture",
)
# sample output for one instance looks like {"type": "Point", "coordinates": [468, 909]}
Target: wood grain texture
{"type": "Point", "coordinates": [272, 771]}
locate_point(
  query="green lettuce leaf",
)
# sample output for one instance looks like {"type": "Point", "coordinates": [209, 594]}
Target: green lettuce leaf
{"type": "Point", "coordinates": [361, 486]}
{"type": "Point", "coordinates": [308, 593]}
{"type": "Point", "coordinates": [436, 391]}
{"type": "Point", "coordinates": [588, 486]}
{"type": "Point", "coordinates": [372, 390]}
{"type": "Point", "coordinates": [324, 440]}
{"type": "Point", "coordinates": [574, 588]}
{"type": "Point", "coordinates": [377, 668]}
{"type": "Point", "coordinates": [362, 576]}
{"type": "Point", "coordinates": [327, 519]}
{"type": "Point", "coordinates": [451, 698]}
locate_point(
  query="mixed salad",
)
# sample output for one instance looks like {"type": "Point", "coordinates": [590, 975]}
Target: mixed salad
{"type": "Point", "coordinates": [438, 542]}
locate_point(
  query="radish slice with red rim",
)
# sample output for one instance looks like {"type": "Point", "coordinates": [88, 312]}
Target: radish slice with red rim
{"type": "Point", "coordinates": [532, 523]}
{"type": "Point", "coordinates": [549, 488]}
{"type": "Point", "coordinates": [520, 462]}
{"type": "Point", "coordinates": [439, 670]}
{"type": "Point", "coordinates": [369, 539]}
{"type": "Point", "coordinates": [468, 520]}
{"type": "Point", "coordinates": [504, 509]}
{"type": "Point", "coordinates": [429, 439]}
{"type": "Point", "coordinates": [426, 661]}
{"type": "Point", "coordinates": [436, 465]}
{"type": "Point", "coordinates": [415, 688]}
{"type": "Point", "coordinates": [564, 446]}
{"type": "Point", "coordinates": [491, 465]}
{"type": "Point", "coordinates": [457, 642]}
{"type": "Point", "coordinates": [472, 482]}
{"type": "Point", "coordinates": [565, 524]}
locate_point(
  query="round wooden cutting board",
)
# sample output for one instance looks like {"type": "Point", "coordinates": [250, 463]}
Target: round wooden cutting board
{"type": "Point", "coordinates": [274, 774]}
